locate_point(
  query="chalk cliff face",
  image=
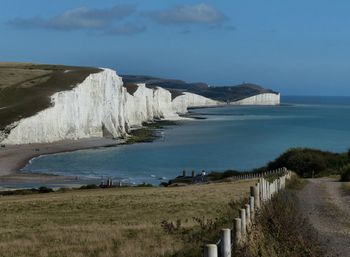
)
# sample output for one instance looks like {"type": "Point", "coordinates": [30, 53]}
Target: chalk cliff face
{"type": "Point", "coordinates": [82, 112]}
{"type": "Point", "coordinates": [262, 99]}
{"type": "Point", "coordinates": [182, 102]}
{"type": "Point", "coordinates": [101, 106]}
{"type": "Point", "coordinates": [98, 107]}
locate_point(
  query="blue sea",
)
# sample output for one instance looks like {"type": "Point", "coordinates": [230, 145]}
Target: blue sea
{"type": "Point", "coordinates": [236, 137]}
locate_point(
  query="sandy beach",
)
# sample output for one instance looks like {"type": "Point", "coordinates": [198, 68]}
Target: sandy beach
{"type": "Point", "coordinates": [14, 157]}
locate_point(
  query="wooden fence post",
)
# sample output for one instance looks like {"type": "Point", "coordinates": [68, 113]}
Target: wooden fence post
{"type": "Point", "coordinates": [243, 222]}
{"type": "Point", "coordinates": [225, 242]}
{"type": "Point", "coordinates": [238, 231]}
{"type": "Point", "coordinates": [247, 212]}
{"type": "Point", "coordinates": [254, 191]}
{"type": "Point", "coordinates": [252, 211]}
{"type": "Point", "coordinates": [210, 250]}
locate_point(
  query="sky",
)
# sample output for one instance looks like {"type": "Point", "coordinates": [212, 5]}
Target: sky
{"type": "Point", "coordinates": [297, 47]}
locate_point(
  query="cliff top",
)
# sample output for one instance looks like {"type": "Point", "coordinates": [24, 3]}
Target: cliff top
{"type": "Point", "coordinates": [225, 93]}
{"type": "Point", "coordinates": [25, 88]}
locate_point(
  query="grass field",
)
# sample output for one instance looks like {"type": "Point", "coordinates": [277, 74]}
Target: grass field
{"type": "Point", "coordinates": [25, 88]}
{"type": "Point", "coordinates": [108, 222]}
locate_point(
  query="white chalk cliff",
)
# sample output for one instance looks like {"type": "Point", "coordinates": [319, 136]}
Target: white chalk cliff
{"type": "Point", "coordinates": [101, 106]}
{"type": "Point", "coordinates": [261, 99]}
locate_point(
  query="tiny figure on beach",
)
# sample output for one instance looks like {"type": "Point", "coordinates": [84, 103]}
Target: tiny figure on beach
{"type": "Point", "coordinates": [203, 175]}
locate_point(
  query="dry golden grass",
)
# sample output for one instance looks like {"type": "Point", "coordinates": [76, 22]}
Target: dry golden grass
{"type": "Point", "coordinates": [22, 77]}
{"type": "Point", "coordinates": [114, 222]}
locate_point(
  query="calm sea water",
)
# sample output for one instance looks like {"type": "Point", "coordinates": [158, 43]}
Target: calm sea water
{"type": "Point", "coordinates": [238, 137]}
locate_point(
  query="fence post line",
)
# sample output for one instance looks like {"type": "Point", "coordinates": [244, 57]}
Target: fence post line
{"type": "Point", "coordinates": [210, 250]}
{"type": "Point", "coordinates": [238, 231]}
{"type": "Point", "coordinates": [225, 243]}
{"type": "Point", "coordinates": [261, 192]}
{"type": "Point", "coordinates": [243, 223]}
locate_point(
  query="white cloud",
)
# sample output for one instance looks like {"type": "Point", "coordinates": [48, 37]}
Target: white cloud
{"type": "Point", "coordinates": [79, 18]}
{"type": "Point", "coordinates": [189, 14]}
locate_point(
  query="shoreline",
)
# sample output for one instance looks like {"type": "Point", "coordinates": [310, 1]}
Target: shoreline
{"type": "Point", "coordinates": [13, 158]}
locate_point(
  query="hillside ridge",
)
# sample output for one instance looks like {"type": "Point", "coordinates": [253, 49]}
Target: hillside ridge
{"type": "Point", "coordinates": [219, 93]}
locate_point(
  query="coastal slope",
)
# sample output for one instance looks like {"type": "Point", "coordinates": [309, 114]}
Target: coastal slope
{"type": "Point", "coordinates": [101, 105]}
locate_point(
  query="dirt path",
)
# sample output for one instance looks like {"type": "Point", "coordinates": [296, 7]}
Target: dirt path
{"type": "Point", "coordinates": [328, 208]}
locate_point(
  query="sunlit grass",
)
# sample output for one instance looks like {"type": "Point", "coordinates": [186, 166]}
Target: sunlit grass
{"type": "Point", "coordinates": [112, 222]}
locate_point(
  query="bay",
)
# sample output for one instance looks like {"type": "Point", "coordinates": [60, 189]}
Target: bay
{"type": "Point", "coordinates": [235, 137]}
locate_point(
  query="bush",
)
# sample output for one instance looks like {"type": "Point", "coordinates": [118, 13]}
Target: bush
{"type": "Point", "coordinates": [44, 190]}
{"type": "Point", "coordinates": [310, 162]}
{"type": "Point", "coordinates": [19, 192]}
{"type": "Point", "coordinates": [345, 174]}
{"type": "Point", "coordinates": [90, 186]}
{"type": "Point", "coordinates": [144, 185]}
{"type": "Point", "coordinates": [296, 183]}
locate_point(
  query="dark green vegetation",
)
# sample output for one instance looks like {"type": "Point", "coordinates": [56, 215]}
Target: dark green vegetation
{"type": "Point", "coordinates": [25, 88]}
{"type": "Point", "coordinates": [346, 188]}
{"type": "Point", "coordinates": [176, 87]}
{"type": "Point", "coordinates": [282, 230]}
{"type": "Point", "coordinates": [311, 163]}
{"type": "Point", "coordinates": [345, 174]}
{"type": "Point", "coordinates": [148, 133]}
{"type": "Point", "coordinates": [304, 161]}
{"type": "Point", "coordinates": [212, 176]}
{"type": "Point", "coordinates": [40, 190]}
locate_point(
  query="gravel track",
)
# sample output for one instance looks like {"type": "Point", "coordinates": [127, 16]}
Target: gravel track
{"type": "Point", "coordinates": [328, 209]}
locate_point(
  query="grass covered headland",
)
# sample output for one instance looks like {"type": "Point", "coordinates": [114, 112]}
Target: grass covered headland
{"type": "Point", "coordinates": [313, 163]}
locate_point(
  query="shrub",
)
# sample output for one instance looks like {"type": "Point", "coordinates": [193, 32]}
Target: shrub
{"type": "Point", "coordinates": [296, 183]}
{"type": "Point", "coordinates": [345, 174]}
{"type": "Point", "coordinates": [44, 190]}
{"type": "Point", "coordinates": [144, 185]}
{"type": "Point", "coordinates": [19, 192]}
{"type": "Point", "coordinates": [90, 186]}
{"type": "Point", "coordinates": [310, 162]}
